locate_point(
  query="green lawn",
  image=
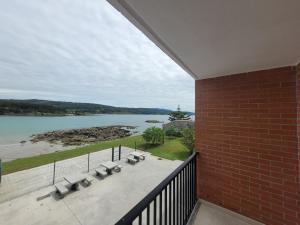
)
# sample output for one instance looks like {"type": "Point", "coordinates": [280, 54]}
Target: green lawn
{"type": "Point", "coordinates": [172, 149]}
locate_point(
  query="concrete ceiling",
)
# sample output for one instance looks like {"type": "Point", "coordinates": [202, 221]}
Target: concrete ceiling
{"type": "Point", "coordinates": [211, 38]}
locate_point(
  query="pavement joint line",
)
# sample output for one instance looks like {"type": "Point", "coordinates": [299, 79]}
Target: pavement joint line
{"type": "Point", "coordinates": [26, 193]}
{"type": "Point", "coordinates": [72, 212]}
{"type": "Point", "coordinates": [40, 198]}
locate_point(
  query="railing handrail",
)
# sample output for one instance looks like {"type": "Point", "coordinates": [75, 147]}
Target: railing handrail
{"type": "Point", "coordinates": [143, 204]}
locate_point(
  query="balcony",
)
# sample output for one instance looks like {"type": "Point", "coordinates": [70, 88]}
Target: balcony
{"type": "Point", "coordinates": [174, 202]}
{"type": "Point", "coordinates": [247, 84]}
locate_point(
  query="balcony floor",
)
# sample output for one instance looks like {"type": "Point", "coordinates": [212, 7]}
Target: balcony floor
{"type": "Point", "coordinates": [211, 214]}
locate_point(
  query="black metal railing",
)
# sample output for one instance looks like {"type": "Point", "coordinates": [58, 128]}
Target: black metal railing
{"type": "Point", "coordinates": [171, 202]}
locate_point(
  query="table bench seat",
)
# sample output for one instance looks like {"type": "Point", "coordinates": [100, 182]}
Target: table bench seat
{"type": "Point", "coordinates": [137, 155]}
{"type": "Point", "coordinates": [101, 172]}
{"type": "Point", "coordinates": [61, 189]}
{"type": "Point", "coordinates": [118, 168]}
{"type": "Point", "coordinates": [131, 160]}
{"type": "Point", "coordinates": [88, 181]}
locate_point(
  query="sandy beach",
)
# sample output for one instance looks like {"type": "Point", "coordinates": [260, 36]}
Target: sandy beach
{"type": "Point", "coordinates": [15, 151]}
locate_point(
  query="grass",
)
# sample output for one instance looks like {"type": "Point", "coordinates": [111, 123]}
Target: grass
{"type": "Point", "coordinates": [172, 149]}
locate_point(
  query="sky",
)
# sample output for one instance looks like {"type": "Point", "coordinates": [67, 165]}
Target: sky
{"type": "Point", "coordinates": [85, 51]}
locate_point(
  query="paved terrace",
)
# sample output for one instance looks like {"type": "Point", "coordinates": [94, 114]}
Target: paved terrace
{"type": "Point", "coordinates": [24, 198]}
{"type": "Point", "coordinates": [211, 214]}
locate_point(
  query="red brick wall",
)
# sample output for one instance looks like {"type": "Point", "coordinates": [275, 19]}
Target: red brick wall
{"type": "Point", "coordinates": [298, 128]}
{"type": "Point", "coordinates": [247, 136]}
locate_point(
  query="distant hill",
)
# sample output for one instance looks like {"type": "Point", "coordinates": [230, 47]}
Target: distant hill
{"type": "Point", "coordinates": [53, 108]}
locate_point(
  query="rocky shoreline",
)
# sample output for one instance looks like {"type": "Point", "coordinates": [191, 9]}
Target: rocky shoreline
{"type": "Point", "coordinates": [84, 135]}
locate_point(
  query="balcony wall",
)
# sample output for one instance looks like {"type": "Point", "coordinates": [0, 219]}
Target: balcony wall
{"type": "Point", "coordinates": [249, 141]}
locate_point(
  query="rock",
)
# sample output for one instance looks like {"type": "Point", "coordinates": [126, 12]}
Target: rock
{"type": "Point", "coordinates": [84, 135]}
{"type": "Point", "coordinates": [153, 121]}
{"type": "Point", "coordinates": [23, 142]}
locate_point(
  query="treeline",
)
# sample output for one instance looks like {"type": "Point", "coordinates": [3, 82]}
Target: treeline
{"type": "Point", "coordinates": [8, 107]}
{"type": "Point", "coordinates": [44, 107]}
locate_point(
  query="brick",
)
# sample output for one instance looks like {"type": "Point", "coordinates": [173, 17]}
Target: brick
{"type": "Point", "coordinates": [248, 134]}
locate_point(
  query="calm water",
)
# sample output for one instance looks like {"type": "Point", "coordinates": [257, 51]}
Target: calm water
{"type": "Point", "coordinates": [13, 129]}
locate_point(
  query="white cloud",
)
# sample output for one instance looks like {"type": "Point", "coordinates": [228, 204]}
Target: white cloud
{"type": "Point", "coordinates": [85, 51]}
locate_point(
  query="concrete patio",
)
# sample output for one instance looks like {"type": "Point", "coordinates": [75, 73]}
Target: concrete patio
{"type": "Point", "coordinates": [211, 214]}
{"type": "Point", "coordinates": [25, 198]}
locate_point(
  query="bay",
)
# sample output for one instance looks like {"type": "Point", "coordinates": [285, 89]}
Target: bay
{"type": "Point", "coordinates": [14, 129]}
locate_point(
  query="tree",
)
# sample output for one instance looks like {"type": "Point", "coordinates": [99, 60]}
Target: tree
{"type": "Point", "coordinates": [179, 115]}
{"type": "Point", "coordinates": [154, 135]}
{"type": "Point", "coordinates": [173, 132]}
{"type": "Point", "coordinates": [189, 139]}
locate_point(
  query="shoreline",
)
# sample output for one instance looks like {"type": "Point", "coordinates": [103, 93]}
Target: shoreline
{"type": "Point", "coordinates": [28, 149]}
{"type": "Point", "coordinates": [16, 129]}
{"type": "Point", "coordinates": [61, 140]}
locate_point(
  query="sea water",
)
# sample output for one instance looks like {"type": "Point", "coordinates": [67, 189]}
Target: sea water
{"type": "Point", "coordinates": [14, 129]}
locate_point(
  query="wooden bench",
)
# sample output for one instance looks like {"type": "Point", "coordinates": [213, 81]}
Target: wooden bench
{"type": "Point", "coordinates": [101, 173]}
{"type": "Point", "coordinates": [61, 190]}
{"type": "Point", "coordinates": [132, 160]}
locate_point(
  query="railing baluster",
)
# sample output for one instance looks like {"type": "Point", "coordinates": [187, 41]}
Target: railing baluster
{"type": "Point", "coordinates": [186, 193]}
{"type": "Point", "coordinates": [148, 215]}
{"type": "Point", "coordinates": [166, 205]}
{"type": "Point", "coordinates": [194, 181]}
{"type": "Point", "coordinates": [192, 193]}
{"type": "Point", "coordinates": [184, 197]}
{"type": "Point", "coordinates": [154, 212]}
{"type": "Point", "coordinates": [177, 202]}
{"type": "Point", "coordinates": [170, 204]}
{"type": "Point", "coordinates": [140, 219]}
{"type": "Point", "coordinates": [191, 183]}
{"type": "Point", "coordinates": [187, 189]}
{"type": "Point", "coordinates": [193, 200]}
{"type": "Point", "coordinates": [190, 190]}
{"type": "Point", "coordinates": [160, 209]}
{"type": "Point", "coordinates": [180, 199]}
{"type": "Point", "coordinates": [195, 176]}
{"type": "Point", "coordinates": [174, 201]}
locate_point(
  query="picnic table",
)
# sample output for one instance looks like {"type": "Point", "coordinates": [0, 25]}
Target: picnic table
{"type": "Point", "coordinates": [74, 180]}
{"type": "Point", "coordinates": [109, 166]}
{"type": "Point", "coordinates": [138, 155]}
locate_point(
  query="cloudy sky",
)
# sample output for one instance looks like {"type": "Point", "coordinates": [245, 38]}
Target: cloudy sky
{"type": "Point", "coordinates": [84, 51]}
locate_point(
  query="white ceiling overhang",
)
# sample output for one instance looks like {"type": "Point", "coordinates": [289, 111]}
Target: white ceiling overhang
{"type": "Point", "coordinates": [211, 38]}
